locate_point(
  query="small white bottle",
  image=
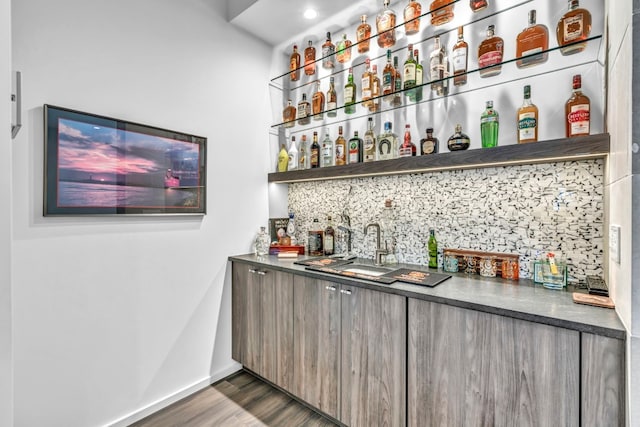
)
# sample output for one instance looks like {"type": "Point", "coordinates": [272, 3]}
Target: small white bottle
{"type": "Point", "coordinates": [293, 155]}
{"type": "Point", "coordinates": [291, 229]}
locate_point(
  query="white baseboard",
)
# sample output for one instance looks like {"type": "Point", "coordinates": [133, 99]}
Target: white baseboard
{"type": "Point", "coordinates": [172, 398]}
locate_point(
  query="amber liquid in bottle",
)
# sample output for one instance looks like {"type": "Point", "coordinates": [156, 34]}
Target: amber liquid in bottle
{"type": "Point", "coordinates": [317, 103]}
{"type": "Point", "coordinates": [441, 11]}
{"type": "Point", "coordinates": [289, 115]}
{"type": "Point", "coordinates": [375, 90]}
{"type": "Point", "coordinates": [532, 43]}
{"type": "Point", "coordinates": [478, 5]}
{"type": "Point", "coordinates": [412, 14]}
{"type": "Point", "coordinates": [332, 99]}
{"type": "Point", "coordinates": [573, 27]}
{"type": "Point", "coordinates": [460, 56]}
{"type": "Point", "coordinates": [490, 54]}
{"type": "Point", "coordinates": [343, 50]}
{"type": "Point", "coordinates": [363, 35]}
{"type": "Point", "coordinates": [385, 24]}
{"type": "Point", "coordinates": [577, 111]}
{"type": "Point", "coordinates": [294, 64]}
{"type": "Point", "coordinates": [310, 59]}
{"type": "Point", "coordinates": [328, 53]}
{"type": "Point", "coordinates": [388, 79]}
{"type": "Point", "coordinates": [341, 149]}
{"type": "Point", "coordinates": [367, 85]}
{"type": "Point", "coordinates": [527, 118]}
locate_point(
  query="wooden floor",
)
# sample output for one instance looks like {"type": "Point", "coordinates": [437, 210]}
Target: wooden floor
{"type": "Point", "coordinates": [239, 400]}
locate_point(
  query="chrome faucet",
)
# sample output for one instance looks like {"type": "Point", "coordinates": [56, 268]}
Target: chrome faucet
{"type": "Point", "coordinates": [380, 251]}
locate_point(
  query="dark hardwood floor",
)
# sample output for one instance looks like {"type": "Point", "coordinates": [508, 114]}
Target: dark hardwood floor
{"type": "Point", "coordinates": [239, 400]}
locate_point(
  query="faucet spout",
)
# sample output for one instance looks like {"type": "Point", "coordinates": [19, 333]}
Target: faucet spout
{"type": "Point", "coordinates": [380, 251]}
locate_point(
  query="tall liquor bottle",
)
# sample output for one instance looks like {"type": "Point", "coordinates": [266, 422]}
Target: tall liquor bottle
{"type": "Point", "coordinates": [478, 5]}
{"type": "Point", "coordinates": [294, 64]}
{"type": "Point", "coordinates": [460, 56]}
{"type": "Point", "coordinates": [283, 159]}
{"type": "Point", "coordinates": [367, 85]}
{"type": "Point", "coordinates": [314, 152]}
{"type": "Point", "coordinates": [327, 157]}
{"type": "Point", "coordinates": [332, 99]}
{"type": "Point", "coordinates": [532, 43]}
{"type": "Point", "coordinates": [375, 91]}
{"type": "Point", "coordinates": [459, 140]}
{"type": "Point", "coordinates": [385, 24]}
{"type": "Point", "coordinates": [489, 126]}
{"type": "Point", "coordinates": [304, 111]}
{"type": "Point", "coordinates": [317, 103]}
{"type": "Point", "coordinates": [328, 53]}
{"type": "Point", "coordinates": [369, 143]}
{"type": "Point", "coordinates": [340, 149]}
{"type": "Point", "coordinates": [437, 66]}
{"type": "Point", "coordinates": [350, 94]}
{"type": "Point", "coordinates": [441, 11]}
{"type": "Point", "coordinates": [316, 239]}
{"type": "Point", "coordinates": [407, 149]}
{"type": "Point", "coordinates": [363, 35]}
{"type": "Point", "coordinates": [396, 101]}
{"type": "Point", "coordinates": [429, 144]}
{"type": "Point", "coordinates": [490, 54]}
{"type": "Point", "coordinates": [303, 154]}
{"type": "Point", "coordinates": [388, 79]}
{"type": "Point", "coordinates": [416, 96]}
{"type": "Point", "coordinates": [574, 26]}
{"type": "Point", "coordinates": [343, 50]}
{"type": "Point", "coordinates": [329, 238]}
{"type": "Point", "coordinates": [527, 119]}
{"type": "Point", "coordinates": [356, 149]}
{"type": "Point", "coordinates": [412, 12]}
{"type": "Point", "coordinates": [432, 245]}
{"type": "Point", "coordinates": [577, 111]}
{"type": "Point", "coordinates": [293, 155]}
{"type": "Point", "coordinates": [289, 115]}
{"type": "Point", "coordinates": [387, 143]}
{"type": "Point", "coordinates": [310, 59]}
{"type": "Point", "coordinates": [409, 75]}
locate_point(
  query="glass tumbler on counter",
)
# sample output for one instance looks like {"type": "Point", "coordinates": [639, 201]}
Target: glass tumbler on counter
{"type": "Point", "coordinates": [554, 279]}
{"type": "Point", "coordinates": [450, 262]}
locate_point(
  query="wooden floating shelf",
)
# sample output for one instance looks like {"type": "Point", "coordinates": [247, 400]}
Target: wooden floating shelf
{"type": "Point", "coordinates": [556, 150]}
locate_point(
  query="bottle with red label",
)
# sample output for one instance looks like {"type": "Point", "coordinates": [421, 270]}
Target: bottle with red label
{"type": "Point", "coordinates": [577, 111]}
{"type": "Point", "coordinates": [490, 53]}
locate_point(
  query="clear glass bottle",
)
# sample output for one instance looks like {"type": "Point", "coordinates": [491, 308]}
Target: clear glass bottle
{"type": "Point", "coordinates": [340, 148]}
{"type": "Point", "coordinates": [283, 159]}
{"type": "Point", "coordinates": [303, 154]}
{"type": "Point", "coordinates": [527, 119]}
{"type": "Point", "coordinates": [532, 43]}
{"type": "Point", "coordinates": [458, 141]}
{"type": "Point", "coordinates": [460, 57]}
{"type": "Point", "coordinates": [289, 115]}
{"type": "Point", "coordinates": [291, 229]}
{"type": "Point", "coordinates": [432, 246]}
{"type": "Point", "coordinates": [577, 111]}
{"type": "Point", "coordinates": [375, 90]}
{"type": "Point", "coordinates": [412, 12]}
{"type": "Point", "coordinates": [489, 126]}
{"type": "Point", "coordinates": [316, 239]}
{"type": "Point", "coordinates": [332, 99]}
{"type": "Point", "coordinates": [293, 155]}
{"type": "Point", "coordinates": [441, 11]}
{"type": "Point", "coordinates": [388, 229]}
{"type": "Point", "coordinates": [387, 143]}
{"type": "Point", "coordinates": [262, 242]}
{"type": "Point", "coordinates": [367, 84]}
{"type": "Point", "coordinates": [294, 64]}
{"type": "Point", "coordinates": [329, 238]}
{"type": "Point", "coordinates": [314, 152]}
{"type": "Point", "coordinates": [310, 59]}
{"type": "Point", "coordinates": [304, 111]}
{"type": "Point", "coordinates": [369, 143]}
{"type": "Point", "coordinates": [350, 94]}
{"type": "Point", "coordinates": [490, 53]}
{"type": "Point", "coordinates": [388, 79]}
{"type": "Point", "coordinates": [355, 149]}
{"type": "Point", "coordinates": [574, 26]}
{"type": "Point", "coordinates": [328, 53]}
{"type": "Point", "coordinates": [317, 103]}
{"type": "Point", "coordinates": [363, 35]}
{"type": "Point", "coordinates": [429, 144]}
{"type": "Point", "coordinates": [407, 149]}
{"type": "Point", "coordinates": [343, 50]}
{"type": "Point", "coordinates": [327, 156]}
{"type": "Point", "coordinates": [385, 24]}
{"type": "Point", "coordinates": [436, 66]}
{"type": "Point", "coordinates": [409, 75]}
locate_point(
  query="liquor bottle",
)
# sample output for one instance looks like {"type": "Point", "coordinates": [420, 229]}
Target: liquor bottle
{"type": "Point", "coordinates": [340, 149]}
{"type": "Point", "coordinates": [304, 111]}
{"type": "Point", "coordinates": [388, 79]}
{"type": "Point", "coordinates": [310, 59]}
{"type": "Point", "coordinates": [289, 115]}
{"type": "Point", "coordinates": [441, 11]}
{"type": "Point", "coordinates": [343, 50]}
{"type": "Point", "coordinates": [409, 75]}
{"type": "Point", "coordinates": [532, 43]}
{"type": "Point", "coordinates": [412, 12]}
{"type": "Point", "coordinates": [327, 155]}
{"type": "Point", "coordinates": [407, 149]}
{"type": "Point", "coordinates": [460, 59]}
{"type": "Point", "coordinates": [317, 103]}
{"type": "Point", "coordinates": [328, 52]}
{"type": "Point", "coordinates": [478, 5]}
{"type": "Point", "coordinates": [293, 155]}
{"type": "Point", "coordinates": [283, 159]}
{"type": "Point", "coordinates": [577, 111]}
{"type": "Point", "coordinates": [417, 92]}
{"type": "Point", "coordinates": [432, 245]}
{"type": "Point", "coordinates": [329, 238]}
{"type": "Point", "coordinates": [387, 143]}
{"type": "Point", "coordinates": [294, 64]}
{"type": "Point", "coordinates": [574, 26]}
{"type": "Point", "coordinates": [429, 144]}
{"type": "Point", "coordinates": [396, 101]}
{"type": "Point", "coordinates": [375, 91]}
{"type": "Point", "coordinates": [490, 54]}
{"type": "Point", "coordinates": [291, 228]}
{"type": "Point", "coordinates": [489, 126]}
{"type": "Point", "coordinates": [350, 94]}
{"type": "Point", "coordinates": [385, 24]}
{"type": "Point", "coordinates": [303, 154]}
{"type": "Point", "coordinates": [458, 141]}
{"type": "Point", "coordinates": [355, 149]}
{"type": "Point", "coordinates": [363, 35]}
{"type": "Point", "coordinates": [316, 239]}
{"type": "Point", "coordinates": [367, 85]}
{"type": "Point", "coordinates": [436, 67]}
{"type": "Point", "coordinates": [314, 156]}
{"type": "Point", "coordinates": [262, 242]}
{"type": "Point", "coordinates": [332, 99]}
{"type": "Point", "coordinates": [527, 119]}
{"type": "Point", "coordinates": [369, 143]}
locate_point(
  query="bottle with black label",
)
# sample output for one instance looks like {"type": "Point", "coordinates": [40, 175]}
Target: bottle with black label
{"type": "Point", "coordinates": [429, 144]}
{"type": "Point", "coordinates": [329, 238]}
{"type": "Point", "coordinates": [355, 149]}
{"type": "Point", "coordinates": [316, 237]}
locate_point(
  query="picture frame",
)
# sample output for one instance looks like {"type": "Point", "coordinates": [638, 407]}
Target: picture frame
{"type": "Point", "coordinates": [97, 165]}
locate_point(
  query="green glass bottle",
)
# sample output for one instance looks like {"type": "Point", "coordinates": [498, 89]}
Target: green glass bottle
{"type": "Point", "coordinates": [350, 94]}
{"type": "Point", "coordinates": [409, 75]}
{"type": "Point", "coordinates": [489, 125]}
{"type": "Point", "coordinates": [433, 249]}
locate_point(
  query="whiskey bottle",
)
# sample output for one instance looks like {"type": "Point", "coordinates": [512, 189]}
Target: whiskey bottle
{"type": "Point", "coordinates": [317, 103]}
{"type": "Point", "coordinates": [316, 239]}
{"type": "Point", "coordinates": [460, 59]}
{"type": "Point", "coordinates": [407, 149]}
{"type": "Point", "coordinates": [388, 79]}
{"type": "Point", "coordinates": [332, 99]}
{"type": "Point", "coordinates": [409, 75]}
{"type": "Point", "coordinates": [490, 54]}
{"type": "Point", "coordinates": [304, 111]}
{"type": "Point", "coordinates": [289, 115]}
{"type": "Point", "coordinates": [527, 119]}
{"type": "Point", "coordinates": [350, 94]}
{"type": "Point", "coordinates": [417, 92]}
{"type": "Point", "coordinates": [363, 35]}
{"type": "Point", "coordinates": [429, 144]}
{"type": "Point", "coordinates": [293, 155]}
{"type": "Point", "coordinates": [458, 141]}
{"type": "Point", "coordinates": [396, 101]}
{"type": "Point", "coordinates": [294, 64]}
{"type": "Point", "coordinates": [314, 152]}
{"type": "Point", "coordinates": [327, 155]}
{"type": "Point", "coordinates": [355, 149]}
{"type": "Point", "coordinates": [340, 149]}
{"type": "Point", "coordinates": [489, 126]}
{"type": "Point", "coordinates": [367, 85]}
{"type": "Point", "coordinates": [343, 50]}
{"type": "Point", "coordinates": [385, 24]}
{"type": "Point", "coordinates": [436, 67]}
{"type": "Point", "coordinates": [303, 154]}
{"type": "Point", "coordinates": [573, 27]}
{"type": "Point", "coordinates": [369, 143]}
{"type": "Point", "coordinates": [577, 111]}
{"type": "Point", "coordinates": [412, 13]}
{"type": "Point", "coordinates": [441, 11]}
{"type": "Point", "coordinates": [310, 59]}
{"type": "Point", "coordinates": [478, 5]}
{"type": "Point", "coordinates": [283, 159]}
{"type": "Point", "coordinates": [532, 43]}
{"type": "Point", "coordinates": [375, 91]}
{"type": "Point", "coordinates": [387, 143]}
{"type": "Point", "coordinates": [328, 53]}
{"type": "Point", "coordinates": [329, 238]}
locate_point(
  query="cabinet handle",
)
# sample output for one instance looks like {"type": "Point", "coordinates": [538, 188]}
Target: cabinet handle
{"type": "Point", "coordinates": [262, 273]}
{"type": "Point", "coordinates": [253, 270]}
{"type": "Point", "coordinates": [330, 288]}
{"type": "Point", "coordinates": [345, 291]}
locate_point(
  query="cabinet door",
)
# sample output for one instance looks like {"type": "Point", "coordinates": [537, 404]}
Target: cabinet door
{"type": "Point", "coordinates": [277, 327]}
{"type": "Point", "coordinates": [246, 338]}
{"type": "Point", "coordinates": [470, 368]}
{"type": "Point", "coordinates": [316, 343]}
{"type": "Point", "coordinates": [373, 358]}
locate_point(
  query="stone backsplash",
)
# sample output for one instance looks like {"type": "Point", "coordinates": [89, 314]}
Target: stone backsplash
{"type": "Point", "coordinates": [526, 210]}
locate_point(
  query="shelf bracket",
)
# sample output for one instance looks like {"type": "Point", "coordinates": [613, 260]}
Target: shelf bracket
{"type": "Point", "coordinates": [17, 98]}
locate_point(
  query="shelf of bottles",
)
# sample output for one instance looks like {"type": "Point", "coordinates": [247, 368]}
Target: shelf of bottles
{"type": "Point", "coordinates": [505, 54]}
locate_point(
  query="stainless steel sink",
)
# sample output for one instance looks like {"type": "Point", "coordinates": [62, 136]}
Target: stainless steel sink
{"type": "Point", "coordinates": [364, 269]}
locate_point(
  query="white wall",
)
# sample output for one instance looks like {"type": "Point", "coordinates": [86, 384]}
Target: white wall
{"type": "Point", "coordinates": [112, 315]}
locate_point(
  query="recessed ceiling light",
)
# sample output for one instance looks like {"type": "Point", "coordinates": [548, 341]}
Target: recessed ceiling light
{"type": "Point", "coordinates": [310, 13]}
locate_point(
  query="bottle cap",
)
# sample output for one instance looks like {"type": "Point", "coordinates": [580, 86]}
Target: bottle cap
{"type": "Point", "coordinates": [489, 104]}
{"type": "Point", "coordinates": [429, 130]}
{"type": "Point", "coordinates": [577, 81]}
{"type": "Point", "coordinates": [387, 125]}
